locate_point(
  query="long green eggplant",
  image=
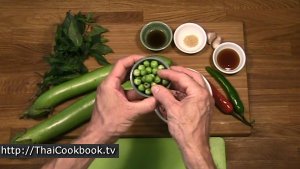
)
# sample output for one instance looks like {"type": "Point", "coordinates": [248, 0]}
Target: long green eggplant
{"type": "Point", "coordinates": [56, 125]}
{"type": "Point", "coordinates": [62, 122]}
{"type": "Point", "coordinates": [44, 104]}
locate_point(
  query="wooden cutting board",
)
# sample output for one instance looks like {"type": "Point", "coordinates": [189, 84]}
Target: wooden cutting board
{"type": "Point", "coordinates": [124, 39]}
{"type": "Point", "coordinates": [16, 88]}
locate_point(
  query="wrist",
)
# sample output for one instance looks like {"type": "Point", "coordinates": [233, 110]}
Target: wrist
{"type": "Point", "coordinates": [197, 155]}
{"type": "Point", "coordinates": [93, 135]}
{"type": "Point", "coordinates": [198, 158]}
{"type": "Point", "coordinates": [189, 142]}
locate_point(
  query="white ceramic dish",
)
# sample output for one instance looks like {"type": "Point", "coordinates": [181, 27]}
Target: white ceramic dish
{"type": "Point", "coordinates": [236, 48]}
{"type": "Point", "coordinates": [158, 113]}
{"type": "Point", "coordinates": [190, 29]}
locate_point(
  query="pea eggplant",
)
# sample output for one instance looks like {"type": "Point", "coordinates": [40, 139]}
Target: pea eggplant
{"type": "Point", "coordinates": [145, 75]}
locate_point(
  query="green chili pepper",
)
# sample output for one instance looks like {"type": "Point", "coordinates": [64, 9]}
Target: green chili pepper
{"type": "Point", "coordinates": [228, 88]}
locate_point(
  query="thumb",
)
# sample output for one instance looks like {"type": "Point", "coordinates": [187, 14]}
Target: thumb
{"type": "Point", "coordinates": [145, 106]}
{"type": "Point", "coordinates": [164, 96]}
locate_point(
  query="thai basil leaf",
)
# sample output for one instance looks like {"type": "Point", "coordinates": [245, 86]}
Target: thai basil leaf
{"type": "Point", "coordinates": [101, 49]}
{"type": "Point", "coordinates": [90, 18]}
{"type": "Point", "coordinates": [74, 34]}
{"type": "Point", "coordinates": [103, 40]}
{"type": "Point", "coordinates": [99, 58]}
{"type": "Point", "coordinates": [97, 30]}
{"type": "Point", "coordinates": [74, 43]}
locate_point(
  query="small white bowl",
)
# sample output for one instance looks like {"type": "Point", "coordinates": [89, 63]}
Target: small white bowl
{"type": "Point", "coordinates": [237, 49]}
{"type": "Point", "coordinates": [158, 113]}
{"type": "Point", "coordinates": [190, 29]}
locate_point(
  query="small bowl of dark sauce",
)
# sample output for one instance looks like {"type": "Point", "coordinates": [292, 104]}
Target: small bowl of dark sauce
{"type": "Point", "coordinates": [229, 58]}
{"type": "Point", "coordinates": [156, 36]}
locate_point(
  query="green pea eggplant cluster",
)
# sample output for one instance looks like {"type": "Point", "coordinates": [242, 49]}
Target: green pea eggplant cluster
{"type": "Point", "coordinates": [145, 75]}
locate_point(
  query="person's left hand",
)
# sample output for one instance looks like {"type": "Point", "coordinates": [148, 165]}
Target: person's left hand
{"type": "Point", "coordinates": [115, 110]}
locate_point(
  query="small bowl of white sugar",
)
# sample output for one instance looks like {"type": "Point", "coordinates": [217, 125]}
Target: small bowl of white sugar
{"type": "Point", "coordinates": [190, 38]}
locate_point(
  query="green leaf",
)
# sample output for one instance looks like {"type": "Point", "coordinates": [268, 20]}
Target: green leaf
{"type": "Point", "coordinates": [96, 39]}
{"type": "Point", "coordinates": [59, 32]}
{"type": "Point", "coordinates": [67, 22]}
{"type": "Point", "coordinates": [73, 45]}
{"type": "Point", "coordinates": [81, 22]}
{"type": "Point", "coordinates": [90, 17]}
{"type": "Point", "coordinates": [74, 33]}
{"type": "Point", "coordinates": [100, 58]}
{"type": "Point", "coordinates": [97, 30]}
{"type": "Point", "coordinates": [103, 40]}
{"type": "Point", "coordinates": [101, 49]}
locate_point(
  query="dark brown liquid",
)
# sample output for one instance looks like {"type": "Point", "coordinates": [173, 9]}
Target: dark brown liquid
{"type": "Point", "coordinates": [156, 38]}
{"type": "Point", "coordinates": [228, 59]}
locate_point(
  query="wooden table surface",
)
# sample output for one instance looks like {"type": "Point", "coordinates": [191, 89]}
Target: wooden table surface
{"type": "Point", "coordinates": [272, 38]}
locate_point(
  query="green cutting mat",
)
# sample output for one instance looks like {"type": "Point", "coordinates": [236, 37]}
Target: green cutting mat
{"type": "Point", "coordinates": [155, 153]}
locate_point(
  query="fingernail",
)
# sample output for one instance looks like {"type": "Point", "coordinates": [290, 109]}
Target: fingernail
{"type": "Point", "coordinates": [155, 89]}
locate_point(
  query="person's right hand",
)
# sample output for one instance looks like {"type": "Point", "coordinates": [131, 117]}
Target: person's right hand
{"type": "Point", "coordinates": [188, 118]}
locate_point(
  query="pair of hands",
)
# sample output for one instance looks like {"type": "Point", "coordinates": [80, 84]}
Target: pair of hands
{"type": "Point", "coordinates": [188, 119]}
{"type": "Point", "coordinates": [115, 111]}
{"type": "Point", "coordinates": [188, 114]}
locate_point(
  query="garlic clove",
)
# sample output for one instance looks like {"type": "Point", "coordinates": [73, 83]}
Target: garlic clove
{"type": "Point", "coordinates": [211, 36]}
{"type": "Point", "coordinates": [216, 42]}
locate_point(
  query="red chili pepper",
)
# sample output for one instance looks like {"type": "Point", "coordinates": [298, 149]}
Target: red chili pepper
{"type": "Point", "coordinates": [221, 101]}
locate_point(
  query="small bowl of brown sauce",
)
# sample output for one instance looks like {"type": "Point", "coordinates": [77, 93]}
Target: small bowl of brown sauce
{"type": "Point", "coordinates": [190, 38]}
{"type": "Point", "coordinates": [229, 58]}
{"type": "Point", "coordinates": [156, 36]}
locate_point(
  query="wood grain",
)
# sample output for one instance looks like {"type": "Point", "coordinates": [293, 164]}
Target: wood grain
{"type": "Point", "coordinates": [272, 41]}
{"type": "Point", "coordinates": [124, 39]}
